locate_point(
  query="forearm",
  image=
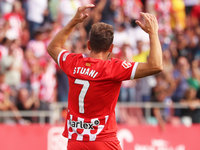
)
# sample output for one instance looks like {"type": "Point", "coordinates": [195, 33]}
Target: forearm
{"type": "Point", "coordinates": [100, 6]}
{"type": "Point", "coordinates": [155, 55]}
{"type": "Point", "coordinates": [158, 116]}
{"type": "Point", "coordinates": [3, 106]}
{"type": "Point", "coordinates": [55, 47]}
{"type": "Point", "coordinates": [59, 40]}
{"type": "Point", "coordinates": [61, 37]}
{"type": "Point", "coordinates": [29, 103]}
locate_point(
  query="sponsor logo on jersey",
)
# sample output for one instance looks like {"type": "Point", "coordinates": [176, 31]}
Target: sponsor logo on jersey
{"type": "Point", "coordinates": [82, 125]}
{"type": "Point", "coordinates": [126, 64]}
{"type": "Point", "coordinates": [65, 56]}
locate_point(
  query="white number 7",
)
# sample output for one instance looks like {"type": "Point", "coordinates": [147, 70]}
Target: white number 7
{"type": "Point", "coordinates": [82, 94]}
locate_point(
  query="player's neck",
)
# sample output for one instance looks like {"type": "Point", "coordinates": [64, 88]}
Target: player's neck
{"type": "Point", "coordinates": [101, 55]}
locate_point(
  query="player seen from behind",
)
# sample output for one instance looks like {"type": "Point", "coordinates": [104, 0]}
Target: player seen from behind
{"type": "Point", "coordinates": [95, 81]}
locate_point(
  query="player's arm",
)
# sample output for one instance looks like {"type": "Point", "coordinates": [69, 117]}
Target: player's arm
{"type": "Point", "coordinates": [55, 46]}
{"type": "Point", "coordinates": [154, 63]}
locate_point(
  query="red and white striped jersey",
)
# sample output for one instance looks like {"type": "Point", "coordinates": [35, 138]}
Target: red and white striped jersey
{"type": "Point", "coordinates": [38, 48]}
{"type": "Point", "coordinates": [3, 51]}
{"type": "Point", "coordinates": [93, 94]}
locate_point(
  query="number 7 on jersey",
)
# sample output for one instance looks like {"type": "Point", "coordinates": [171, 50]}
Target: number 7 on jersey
{"type": "Point", "coordinates": [82, 94]}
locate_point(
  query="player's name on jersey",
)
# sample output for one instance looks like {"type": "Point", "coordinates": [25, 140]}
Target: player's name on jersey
{"type": "Point", "coordinates": [82, 125]}
{"type": "Point", "coordinates": [85, 71]}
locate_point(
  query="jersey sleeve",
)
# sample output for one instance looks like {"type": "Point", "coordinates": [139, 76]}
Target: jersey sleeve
{"type": "Point", "coordinates": [123, 70]}
{"type": "Point", "coordinates": [67, 60]}
{"type": "Point", "coordinates": [63, 59]}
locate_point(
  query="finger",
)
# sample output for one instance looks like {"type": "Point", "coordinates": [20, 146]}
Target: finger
{"type": "Point", "coordinates": [154, 16]}
{"type": "Point", "coordinates": [140, 24]}
{"type": "Point", "coordinates": [148, 15]}
{"type": "Point", "coordinates": [84, 17]}
{"type": "Point", "coordinates": [151, 16]}
{"type": "Point", "coordinates": [143, 15]}
{"type": "Point", "coordinates": [82, 8]}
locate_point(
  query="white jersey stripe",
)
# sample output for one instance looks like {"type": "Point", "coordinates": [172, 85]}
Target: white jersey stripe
{"type": "Point", "coordinates": [58, 59]}
{"type": "Point", "coordinates": [134, 70]}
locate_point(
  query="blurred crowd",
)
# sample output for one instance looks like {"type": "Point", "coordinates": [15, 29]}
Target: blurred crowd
{"type": "Point", "coordinates": [31, 80]}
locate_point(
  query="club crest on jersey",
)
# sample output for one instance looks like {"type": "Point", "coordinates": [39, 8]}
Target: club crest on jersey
{"type": "Point", "coordinates": [82, 125]}
{"type": "Point", "coordinates": [126, 64]}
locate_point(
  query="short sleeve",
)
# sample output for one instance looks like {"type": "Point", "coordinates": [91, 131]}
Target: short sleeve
{"type": "Point", "coordinates": [67, 60]}
{"type": "Point", "coordinates": [123, 70]}
{"type": "Point", "coordinates": [62, 58]}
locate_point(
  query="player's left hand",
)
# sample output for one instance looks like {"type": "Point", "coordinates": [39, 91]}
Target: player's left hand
{"type": "Point", "coordinates": [80, 16]}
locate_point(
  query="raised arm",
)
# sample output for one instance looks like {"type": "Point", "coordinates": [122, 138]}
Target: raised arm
{"type": "Point", "coordinates": [55, 46]}
{"type": "Point", "coordinates": [154, 63]}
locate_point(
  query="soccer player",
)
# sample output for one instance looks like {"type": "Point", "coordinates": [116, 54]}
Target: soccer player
{"type": "Point", "coordinates": [95, 81]}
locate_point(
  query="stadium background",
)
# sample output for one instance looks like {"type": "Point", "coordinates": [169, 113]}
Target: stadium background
{"type": "Point", "coordinates": [157, 112]}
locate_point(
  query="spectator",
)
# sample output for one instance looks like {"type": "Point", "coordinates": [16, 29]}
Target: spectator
{"type": "Point", "coordinates": [166, 81]}
{"type": "Point", "coordinates": [132, 9]}
{"type": "Point", "coordinates": [182, 43]}
{"type": "Point", "coordinates": [67, 10]}
{"type": "Point", "coordinates": [106, 8]}
{"type": "Point", "coordinates": [167, 62]}
{"type": "Point", "coordinates": [25, 101]}
{"type": "Point", "coordinates": [127, 91]}
{"type": "Point", "coordinates": [15, 20]}
{"type": "Point", "coordinates": [34, 76]}
{"type": "Point", "coordinates": [163, 9]}
{"type": "Point", "coordinates": [178, 15]}
{"type": "Point", "coordinates": [37, 45]}
{"type": "Point", "coordinates": [140, 54]}
{"type": "Point", "coordinates": [5, 102]}
{"type": "Point", "coordinates": [4, 93]}
{"type": "Point", "coordinates": [192, 39]}
{"type": "Point", "coordinates": [4, 48]}
{"type": "Point", "coordinates": [11, 65]}
{"type": "Point", "coordinates": [192, 102]}
{"type": "Point", "coordinates": [193, 81]}
{"type": "Point", "coordinates": [6, 6]}
{"type": "Point", "coordinates": [181, 74]}
{"type": "Point", "coordinates": [47, 90]}
{"type": "Point", "coordinates": [189, 4]}
{"type": "Point", "coordinates": [197, 51]}
{"type": "Point", "coordinates": [163, 115]}
{"type": "Point", "coordinates": [63, 86]}
{"type": "Point", "coordinates": [121, 36]}
{"type": "Point", "coordinates": [196, 14]}
{"type": "Point", "coordinates": [135, 34]}
{"type": "Point", "coordinates": [25, 36]}
{"type": "Point", "coordinates": [165, 38]}
{"type": "Point", "coordinates": [35, 14]}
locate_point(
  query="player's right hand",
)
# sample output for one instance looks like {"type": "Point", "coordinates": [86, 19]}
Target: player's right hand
{"type": "Point", "coordinates": [150, 24]}
{"type": "Point", "coordinates": [80, 16]}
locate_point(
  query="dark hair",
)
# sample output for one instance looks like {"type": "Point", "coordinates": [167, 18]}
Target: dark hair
{"type": "Point", "coordinates": [101, 37]}
{"type": "Point", "coordinates": [4, 40]}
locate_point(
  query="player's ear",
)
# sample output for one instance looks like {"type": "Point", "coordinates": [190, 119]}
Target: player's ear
{"type": "Point", "coordinates": [88, 45]}
{"type": "Point", "coordinates": [111, 48]}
